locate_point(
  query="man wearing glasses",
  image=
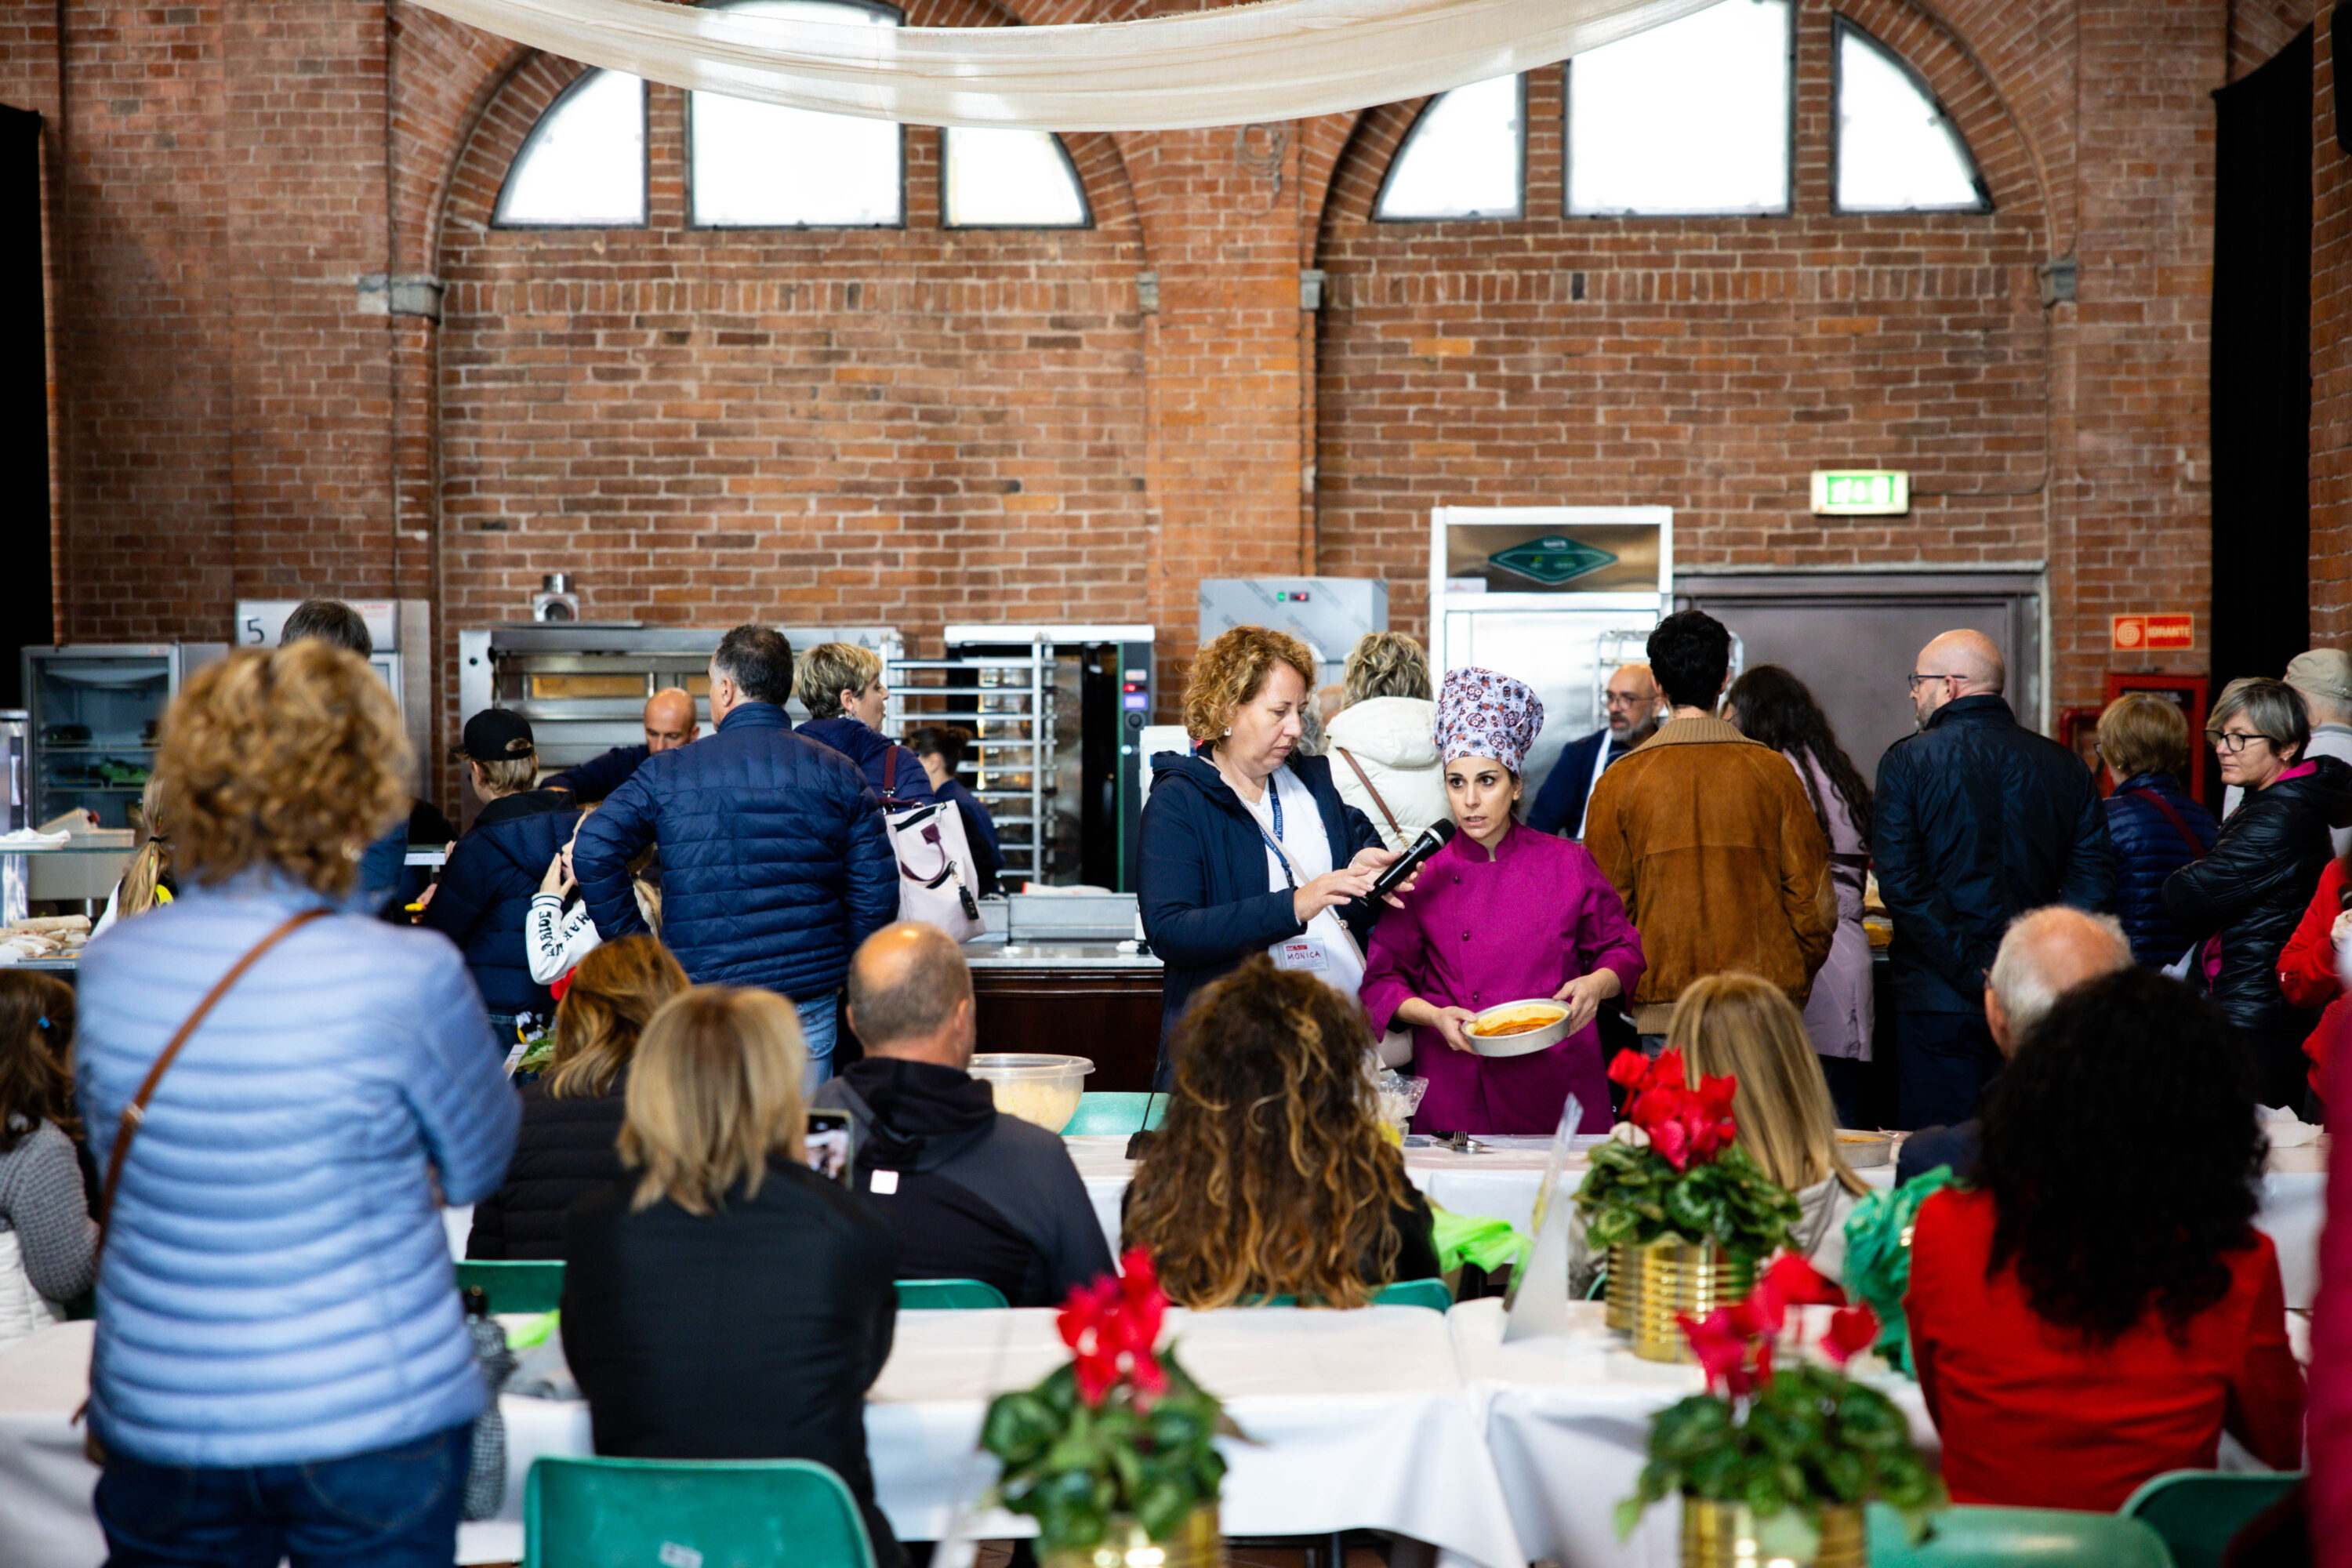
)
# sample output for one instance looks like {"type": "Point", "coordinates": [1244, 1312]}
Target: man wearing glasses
{"type": "Point", "coordinates": [1977, 820]}
{"type": "Point", "coordinates": [1634, 711]}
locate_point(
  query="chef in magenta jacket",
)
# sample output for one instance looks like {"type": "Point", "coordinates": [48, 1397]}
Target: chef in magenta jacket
{"type": "Point", "coordinates": [1503, 913]}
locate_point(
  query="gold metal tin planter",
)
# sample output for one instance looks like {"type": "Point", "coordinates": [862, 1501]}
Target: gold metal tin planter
{"type": "Point", "coordinates": [1197, 1544]}
{"type": "Point", "coordinates": [1667, 1278]}
{"type": "Point", "coordinates": [1728, 1535]}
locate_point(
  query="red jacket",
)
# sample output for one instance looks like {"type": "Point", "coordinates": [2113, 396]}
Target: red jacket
{"type": "Point", "coordinates": [2032, 1416]}
{"type": "Point", "coordinates": [2307, 966]}
{"type": "Point", "coordinates": [2331, 1362]}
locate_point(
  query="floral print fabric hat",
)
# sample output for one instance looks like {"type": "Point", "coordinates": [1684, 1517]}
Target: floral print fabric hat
{"type": "Point", "coordinates": [1486, 713]}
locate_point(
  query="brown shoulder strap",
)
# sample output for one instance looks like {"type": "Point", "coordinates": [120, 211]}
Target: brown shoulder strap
{"type": "Point", "coordinates": [1365, 779]}
{"type": "Point", "coordinates": [136, 1111]}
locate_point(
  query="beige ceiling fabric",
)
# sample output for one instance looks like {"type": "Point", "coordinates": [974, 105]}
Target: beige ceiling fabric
{"type": "Point", "coordinates": [1281, 59]}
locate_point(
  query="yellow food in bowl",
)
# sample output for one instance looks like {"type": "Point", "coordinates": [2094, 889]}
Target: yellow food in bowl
{"type": "Point", "coordinates": [1048, 1105]}
{"type": "Point", "coordinates": [1525, 1021]}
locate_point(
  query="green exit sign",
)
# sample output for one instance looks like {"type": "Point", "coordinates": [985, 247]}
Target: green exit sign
{"type": "Point", "coordinates": [1861, 492]}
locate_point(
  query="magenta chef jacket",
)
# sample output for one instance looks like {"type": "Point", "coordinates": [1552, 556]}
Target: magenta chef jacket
{"type": "Point", "coordinates": [1480, 932]}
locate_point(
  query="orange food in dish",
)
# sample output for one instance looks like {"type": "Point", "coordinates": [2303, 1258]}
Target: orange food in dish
{"type": "Point", "coordinates": [1522, 1023]}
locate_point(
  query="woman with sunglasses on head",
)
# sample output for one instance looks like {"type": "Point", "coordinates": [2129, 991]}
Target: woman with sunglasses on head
{"type": "Point", "coordinates": [2243, 902]}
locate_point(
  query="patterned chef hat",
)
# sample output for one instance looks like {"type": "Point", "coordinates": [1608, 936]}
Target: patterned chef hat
{"type": "Point", "coordinates": [1486, 713]}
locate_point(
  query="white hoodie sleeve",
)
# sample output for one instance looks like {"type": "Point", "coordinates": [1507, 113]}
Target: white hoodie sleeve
{"type": "Point", "coordinates": [556, 939]}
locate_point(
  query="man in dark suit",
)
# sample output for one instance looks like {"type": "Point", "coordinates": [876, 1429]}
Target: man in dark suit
{"type": "Point", "coordinates": [1633, 715]}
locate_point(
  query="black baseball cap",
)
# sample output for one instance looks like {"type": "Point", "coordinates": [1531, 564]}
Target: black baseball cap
{"type": "Point", "coordinates": [496, 735]}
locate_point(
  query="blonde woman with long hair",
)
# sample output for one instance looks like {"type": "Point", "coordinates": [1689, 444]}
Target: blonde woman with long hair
{"type": "Point", "coordinates": [1270, 1175]}
{"type": "Point", "coordinates": [1742, 1027]}
{"type": "Point", "coordinates": [721, 1301]}
{"type": "Point", "coordinates": [572, 1117]}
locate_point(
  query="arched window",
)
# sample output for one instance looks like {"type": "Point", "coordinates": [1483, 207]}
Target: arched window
{"type": "Point", "coordinates": [1462, 158]}
{"type": "Point", "coordinates": [1897, 150]}
{"type": "Point", "coordinates": [993, 177]}
{"type": "Point", "coordinates": [583, 164]}
{"type": "Point", "coordinates": [760, 165]}
{"type": "Point", "coordinates": [1687, 119]}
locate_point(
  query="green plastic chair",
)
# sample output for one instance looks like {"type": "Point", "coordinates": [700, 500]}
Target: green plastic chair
{"type": "Point", "coordinates": [715, 1513]}
{"type": "Point", "coordinates": [1968, 1536]}
{"type": "Point", "coordinates": [2200, 1512]}
{"type": "Point", "coordinates": [1430, 1293]}
{"type": "Point", "coordinates": [533, 1287]}
{"type": "Point", "coordinates": [1112, 1112]}
{"type": "Point", "coordinates": [948, 1295]}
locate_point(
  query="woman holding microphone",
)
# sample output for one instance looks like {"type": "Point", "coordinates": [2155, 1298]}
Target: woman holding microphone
{"type": "Point", "coordinates": [1246, 846]}
{"type": "Point", "coordinates": [1501, 914]}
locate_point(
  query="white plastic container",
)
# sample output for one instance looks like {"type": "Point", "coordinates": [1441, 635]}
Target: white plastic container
{"type": "Point", "coordinates": [1037, 1088]}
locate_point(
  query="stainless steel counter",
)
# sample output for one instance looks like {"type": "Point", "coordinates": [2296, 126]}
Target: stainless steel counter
{"type": "Point", "coordinates": [993, 951]}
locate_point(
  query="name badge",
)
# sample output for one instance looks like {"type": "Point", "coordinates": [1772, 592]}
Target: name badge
{"type": "Point", "coordinates": [1307, 952]}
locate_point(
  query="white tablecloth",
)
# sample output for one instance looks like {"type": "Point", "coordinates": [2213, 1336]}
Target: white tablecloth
{"type": "Point", "coordinates": [1361, 1420]}
{"type": "Point", "coordinates": [1502, 1185]}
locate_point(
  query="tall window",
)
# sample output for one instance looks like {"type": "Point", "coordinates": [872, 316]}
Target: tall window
{"type": "Point", "coordinates": [760, 165]}
{"type": "Point", "coordinates": [583, 164]}
{"type": "Point", "coordinates": [1897, 150]}
{"type": "Point", "coordinates": [1464, 156]}
{"type": "Point", "coordinates": [1688, 118]}
{"type": "Point", "coordinates": [1009, 178]}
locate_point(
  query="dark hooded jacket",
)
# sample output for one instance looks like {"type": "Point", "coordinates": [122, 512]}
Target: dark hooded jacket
{"type": "Point", "coordinates": [485, 890]}
{"type": "Point", "coordinates": [564, 1149]}
{"type": "Point", "coordinates": [1202, 882]}
{"type": "Point", "coordinates": [974, 1193]}
{"type": "Point", "coordinates": [2253, 887]}
{"type": "Point", "coordinates": [903, 783]}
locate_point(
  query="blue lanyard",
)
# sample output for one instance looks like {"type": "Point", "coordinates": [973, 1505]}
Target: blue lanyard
{"type": "Point", "coordinates": [1273, 839]}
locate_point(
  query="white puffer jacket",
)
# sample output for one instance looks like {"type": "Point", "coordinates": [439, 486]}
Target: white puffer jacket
{"type": "Point", "coordinates": [22, 1310]}
{"type": "Point", "coordinates": [1394, 740]}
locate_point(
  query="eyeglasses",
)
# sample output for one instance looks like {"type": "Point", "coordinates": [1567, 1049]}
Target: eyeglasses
{"type": "Point", "coordinates": [2231, 742]}
{"type": "Point", "coordinates": [1913, 680]}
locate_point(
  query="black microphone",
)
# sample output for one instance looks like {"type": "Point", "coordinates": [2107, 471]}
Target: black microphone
{"type": "Point", "coordinates": [1433, 837]}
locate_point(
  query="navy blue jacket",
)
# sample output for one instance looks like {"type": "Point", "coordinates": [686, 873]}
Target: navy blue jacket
{"type": "Point", "coordinates": [1958, 1146]}
{"type": "Point", "coordinates": [2149, 848]}
{"type": "Point", "coordinates": [979, 832]}
{"type": "Point", "coordinates": [1976, 820]}
{"type": "Point", "coordinates": [1559, 806]}
{"type": "Point", "coordinates": [870, 749]}
{"type": "Point", "coordinates": [598, 777]}
{"type": "Point", "coordinates": [485, 892]}
{"type": "Point", "coordinates": [775, 862]}
{"type": "Point", "coordinates": [1203, 889]}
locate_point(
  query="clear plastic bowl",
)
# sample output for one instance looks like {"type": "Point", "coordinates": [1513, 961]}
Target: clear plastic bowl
{"type": "Point", "coordinates": [1037, 1088]}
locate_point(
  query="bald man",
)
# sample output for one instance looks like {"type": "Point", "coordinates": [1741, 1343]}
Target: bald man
{"type": "Point", "coordinates": [974, 1193]}
{"type": "Point", "coordinates": [1976, 819]}
{"type": "Point", "coordinates": [670, 724]}
{"type": "Point", "coordinates": [1634, 711]}
{"type": "Point", "coordinates": [2045, 954]}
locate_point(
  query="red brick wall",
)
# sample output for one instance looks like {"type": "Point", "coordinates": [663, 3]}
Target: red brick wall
{"type": "Point", "coordinates": [913, 426]}
{"type": "Point", "coordinates": [2331, 367]}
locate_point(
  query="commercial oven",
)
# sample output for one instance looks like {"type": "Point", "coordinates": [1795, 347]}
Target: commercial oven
{"type": "Point", "coordinates": [584, 684]}
{"type": "Point", "coordinates": [1058, 713]}
{"type": "Point", "coordinates": [95, 710]}
{"type": "Point", "coordinates": [1329, 615]}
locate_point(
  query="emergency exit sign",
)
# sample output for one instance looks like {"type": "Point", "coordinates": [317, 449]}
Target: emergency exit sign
{"type": "Point", "coordinates": [2141, 634]}
{"type": "Point", "coordinates": [1861, 492]}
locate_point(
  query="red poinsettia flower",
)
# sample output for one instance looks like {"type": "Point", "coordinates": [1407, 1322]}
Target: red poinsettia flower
{"type": "Point", "coordinates": [1853, 1330]}
{"type": "Point", "coordinates": [1672, 1141]}
{"type": "Point", "coordinates": [1112, 1328]}
{"type": "Point", "coordinates": [1722, 1351]}
{"type": "Point", "coordinates": [1800, 1284]}
{"type": "Point", "coordinates": [1629, 1069]}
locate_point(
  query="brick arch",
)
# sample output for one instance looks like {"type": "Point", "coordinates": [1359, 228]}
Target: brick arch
{"type": "Point", "coordinates": [1361, 163]}
{"type": "Point", "coordinates": [2007, 159]}
{"type": "Point", "coordinates": [448, 75]}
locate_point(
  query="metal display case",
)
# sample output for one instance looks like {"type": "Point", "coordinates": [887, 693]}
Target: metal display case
{"type": "Point", "coordinates": [1329, 615]}
{"type": "Point", "coordinates": [94, 712]}
{"type": "Point", "coordinates": [584, 684]}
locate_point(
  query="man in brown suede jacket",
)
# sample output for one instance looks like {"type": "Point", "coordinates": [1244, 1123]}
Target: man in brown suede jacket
{"type": "Point", "coordinates": [1710, 840]}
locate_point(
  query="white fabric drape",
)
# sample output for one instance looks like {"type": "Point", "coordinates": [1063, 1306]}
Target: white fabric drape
{"type": "Point", "coordinates": [1283, 59]}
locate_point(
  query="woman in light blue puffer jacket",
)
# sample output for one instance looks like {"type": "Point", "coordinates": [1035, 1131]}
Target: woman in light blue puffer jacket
{"type": "Point", "coordinates": [280, 1350]}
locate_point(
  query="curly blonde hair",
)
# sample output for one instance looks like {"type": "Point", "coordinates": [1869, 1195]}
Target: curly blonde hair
{"type": "Point", "coordinates": [292, 761]}
{"type": "Point", "coordinates": [1385, 664]}
{"type": "Point", "coordinates": [1232, 670]}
